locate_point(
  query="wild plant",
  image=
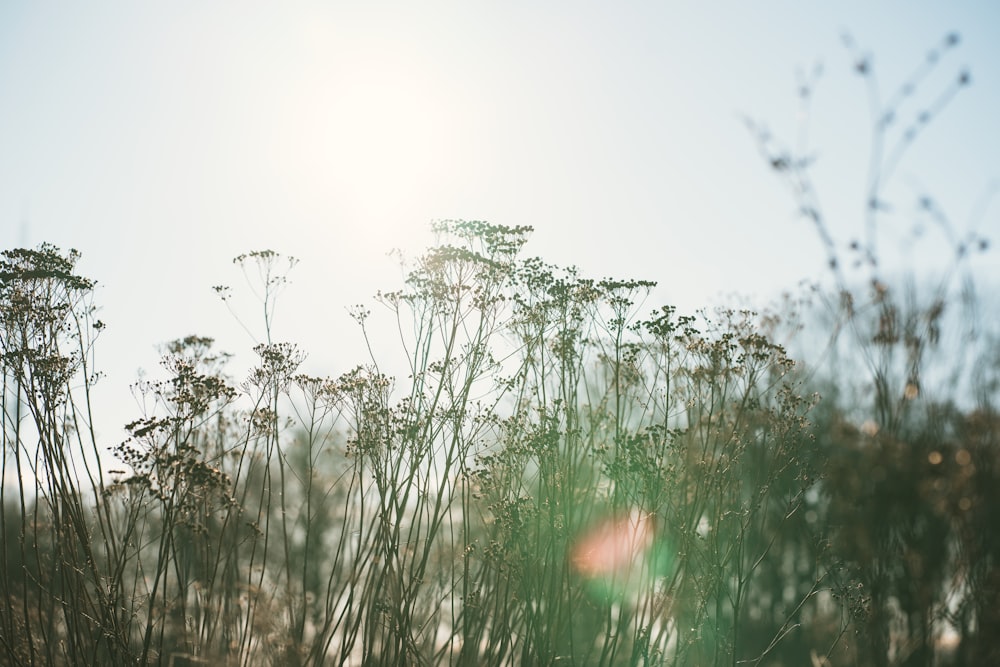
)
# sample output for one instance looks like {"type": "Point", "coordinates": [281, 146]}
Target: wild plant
{"type": "Point", "coordinates": [555, 479]}
{"type": "Point", "coordinates": [63, 597]}
{"type": "Point", "coordinates": [909, 419]}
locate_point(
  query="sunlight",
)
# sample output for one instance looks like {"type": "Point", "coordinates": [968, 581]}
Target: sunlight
{"type": "Point", "coordinates": [368, 142]}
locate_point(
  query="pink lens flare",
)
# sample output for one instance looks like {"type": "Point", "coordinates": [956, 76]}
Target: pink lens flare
{"type": "Point", "coordinates": [612, 547]}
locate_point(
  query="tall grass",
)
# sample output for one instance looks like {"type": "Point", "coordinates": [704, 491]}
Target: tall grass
{"type": "Point", "coordinates": [461, 516]}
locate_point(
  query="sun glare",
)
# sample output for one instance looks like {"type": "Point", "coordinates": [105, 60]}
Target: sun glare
{"type": "Point", "coordinates": [369, 143]}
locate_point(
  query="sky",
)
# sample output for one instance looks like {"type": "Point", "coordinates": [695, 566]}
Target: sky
{"type": "Point", "coordinates": [163, 139]}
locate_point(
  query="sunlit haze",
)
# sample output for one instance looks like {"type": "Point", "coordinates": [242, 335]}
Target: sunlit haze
{"type": "Point", "coordinates": [161, 140]}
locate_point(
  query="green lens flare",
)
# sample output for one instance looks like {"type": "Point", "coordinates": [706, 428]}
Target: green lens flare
{"type": "Point", "coordinates": [620, 559]}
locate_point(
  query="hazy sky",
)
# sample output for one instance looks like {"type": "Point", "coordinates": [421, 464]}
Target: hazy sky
{"type": "Point", "coordinates": [162, 139]}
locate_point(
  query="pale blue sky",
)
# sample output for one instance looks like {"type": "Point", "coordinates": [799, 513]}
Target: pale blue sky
{"type": "Point", "coordinates": [162, 139]}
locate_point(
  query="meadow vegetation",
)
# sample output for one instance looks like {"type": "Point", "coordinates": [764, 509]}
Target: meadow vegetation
{"type": "Point", "coordinates": [561, 475]}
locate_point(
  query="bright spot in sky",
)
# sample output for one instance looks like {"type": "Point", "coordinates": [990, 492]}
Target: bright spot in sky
{"type": "Point", "coordinates": [163, 140]}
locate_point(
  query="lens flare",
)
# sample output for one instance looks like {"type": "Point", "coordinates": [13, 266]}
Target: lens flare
{"type": "Point", "coordinates": [613, 547]}
{"type": "Point", "coordinates": [621, 557]}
